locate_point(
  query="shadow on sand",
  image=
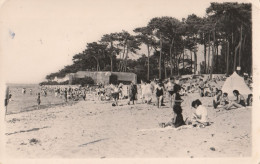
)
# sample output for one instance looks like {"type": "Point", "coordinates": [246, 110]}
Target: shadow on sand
{"type": "Point", "coordinates": [93, 142]}
{"type": "Point", "coordinates": [30, 130]}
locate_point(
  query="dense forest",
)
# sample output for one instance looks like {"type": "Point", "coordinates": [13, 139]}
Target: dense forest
{"type": "Point", "coordinates": [171, 46]}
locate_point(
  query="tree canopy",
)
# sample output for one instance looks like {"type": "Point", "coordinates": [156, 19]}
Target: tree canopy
{"type": "Point", "coordinates": [167, 46]}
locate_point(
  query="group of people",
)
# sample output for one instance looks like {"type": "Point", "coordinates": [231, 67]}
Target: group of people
{"type": "Point", "coordinates": [199, 117]}
{"type": "Point", "coordinates": [222, 100]}
{"type": "Point", "coordinates": [170, 88]}
{"type": "Point", "coordinates": [117, 91]}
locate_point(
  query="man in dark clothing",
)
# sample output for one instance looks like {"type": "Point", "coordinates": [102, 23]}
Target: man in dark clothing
{"type": "Point", "coordinates": [66, 95]}
{"type": "Point", "coordinates": [132, 93]}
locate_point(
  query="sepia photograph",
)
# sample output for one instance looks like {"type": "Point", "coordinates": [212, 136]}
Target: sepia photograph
{"type": "Point", "coordinates": [115, 79]}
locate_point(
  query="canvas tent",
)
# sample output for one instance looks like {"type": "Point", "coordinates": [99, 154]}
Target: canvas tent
{"type": "Point", "coordinates": [235, 82]}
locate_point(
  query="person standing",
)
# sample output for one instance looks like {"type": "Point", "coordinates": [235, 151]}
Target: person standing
{"type": "Point", "coordinates": [66, 95]}
{"type": "Point", "coordinates": [177, 100]}
{"type": "Point", "coordinates": [159, 95]}
{"type": "Point", "coordinates": [84, 94]}
{"type": "Point", "coordinates": [132, 93]}
{"type": "Point", "coordinates": [115, 94]}
{"type": "Point", "coordinates": [6, 100]}
{"type": "Point", "coordinates": [169, 88]}
{"type": "Point", "coordinates": [39, 100]}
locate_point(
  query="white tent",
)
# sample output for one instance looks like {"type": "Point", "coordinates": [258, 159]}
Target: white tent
{"type": "Point", "coordinates": [235, 82]}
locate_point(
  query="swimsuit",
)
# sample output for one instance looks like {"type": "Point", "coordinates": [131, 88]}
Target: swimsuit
{"type": "Point", "coordinates": [159, 92]}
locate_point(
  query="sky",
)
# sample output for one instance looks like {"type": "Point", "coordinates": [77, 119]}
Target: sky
{"type": "Point", "coordinates": [38, 37]}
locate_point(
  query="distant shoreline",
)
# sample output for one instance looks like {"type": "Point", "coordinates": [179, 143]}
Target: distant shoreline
{"type": "Point", "coordinates": [21, 84]}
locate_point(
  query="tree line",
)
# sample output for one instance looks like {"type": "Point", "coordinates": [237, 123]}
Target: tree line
{"type": "Point", "coordinates": [171, 46]}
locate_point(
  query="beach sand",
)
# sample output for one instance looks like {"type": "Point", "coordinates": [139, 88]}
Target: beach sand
{"type": "Point", "coordinates": [96, 129]}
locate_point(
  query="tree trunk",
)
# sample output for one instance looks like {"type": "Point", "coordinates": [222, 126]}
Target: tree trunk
{"type": "Point", "coordinates": [160, 59]}
{"type": "Point", "coordinates": [111, 63]}
{"type": "Point", "coordinates": [235, 62]}
{"type": "Point", "coordinates": [183, 60]}
{"type": "Point", "coordinates": [232, 48]}
{"type": "Point", "coordinates": [241, 32]}
{"type": "Point", "coordinates": [148, 61]}
{"type": "Point", "coordinates": [227, 67]}
{"type": "Point", "coordinates": [238, 47]}
{"type": "Point", "coordinates": [98, 67]}
{"type": "Point", "coordinates": [195, 62]}
{"type": "Point", "coordinates": [171, 55]}
{"type": "Point", "coordinates": [165, 69]}
{"type": "Point", "coordinates": [209, 55]}
{"type": "Point", "coordinates": [191, 60]}
{"type": "Point", "coordinates": [178, 61]}
{"type": "Point", "coordinates": [205, 54]}
{"type": "Point", "coordinates": [217, 58]}
{"type": "Point", "coordinates": [126, 57]}
{"type": "Point", "coordinates": [213, 54]}
{"type": "Point", "coordinates": [175, 58]}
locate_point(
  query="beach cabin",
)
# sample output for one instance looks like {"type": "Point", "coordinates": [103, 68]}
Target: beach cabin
{"type": "Point", "coordinates": [105, 77]}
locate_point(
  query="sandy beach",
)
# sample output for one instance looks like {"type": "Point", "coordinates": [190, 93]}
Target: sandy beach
{"type": "Point", "coordinates": [96, 129]}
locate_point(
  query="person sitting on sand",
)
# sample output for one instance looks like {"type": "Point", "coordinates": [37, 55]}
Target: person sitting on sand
{"type": "Point", "coordinates": [238, 103]}
{"type": "Point", "coordinates": [217, 99]}
{"type": "Point", "coordinates": [224, 100]}
{"type": "Point", "coordinates": [201, 114]}
{"type": "Point", "coordinates": [249, 100]}
{"type": "Point", "coordinates": [201, 87]}
{"type": "Point", "coordinates": [192, 89]}
{"type": "Point", "coordinates": [207, 89]}
{"type": "Point", "coordinates": [159, 95]}
{"type": "Point", "coordinates": [39, 100]}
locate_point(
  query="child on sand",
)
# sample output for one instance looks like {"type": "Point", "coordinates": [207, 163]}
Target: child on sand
{"type": "Point", "coordinates": [224, 100]}
{"type": "Point", "coordinates": [201, 114]}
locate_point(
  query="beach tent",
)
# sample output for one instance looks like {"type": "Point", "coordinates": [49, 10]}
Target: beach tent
{"type": "Point", "coordinates": [235, 82]}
